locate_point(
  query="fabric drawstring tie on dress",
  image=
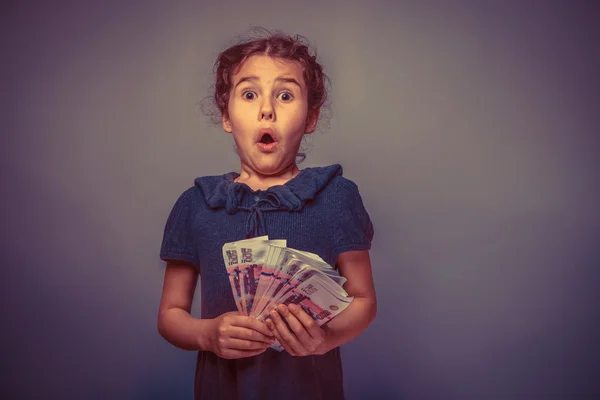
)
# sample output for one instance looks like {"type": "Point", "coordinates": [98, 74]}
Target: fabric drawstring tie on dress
{"type": "Point", "coordinates": [255, 222]}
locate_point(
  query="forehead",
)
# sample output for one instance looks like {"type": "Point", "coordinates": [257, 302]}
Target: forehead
{"type": "Point", "coordinates": [268, 68]}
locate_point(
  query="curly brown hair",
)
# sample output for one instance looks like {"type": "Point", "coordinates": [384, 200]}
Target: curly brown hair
{"type": "Point", "coordinates": [277, 45]}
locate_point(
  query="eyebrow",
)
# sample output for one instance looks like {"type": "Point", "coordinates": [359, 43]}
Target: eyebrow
{"type": "Point", "coordinates": [254, 78]}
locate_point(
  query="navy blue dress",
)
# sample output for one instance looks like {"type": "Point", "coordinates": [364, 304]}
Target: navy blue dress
{"type": "Point", "coordinates": [318, 211]}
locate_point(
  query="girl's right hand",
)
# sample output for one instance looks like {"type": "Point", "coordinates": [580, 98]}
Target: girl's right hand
{"type": "Point", "coordinates": [234, 335]}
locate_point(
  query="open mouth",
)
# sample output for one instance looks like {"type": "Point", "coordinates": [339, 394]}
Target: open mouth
{"type": "Point", "coordinates": [267, 139]}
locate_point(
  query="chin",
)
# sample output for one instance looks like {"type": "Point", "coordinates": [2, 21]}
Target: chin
{"type": "Point", "coordinates": [271, 168]}
{"type": "Point", "coordinates": [268, 170]}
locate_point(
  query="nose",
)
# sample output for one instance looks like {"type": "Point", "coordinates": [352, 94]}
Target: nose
{"type": "Point", "coordinates": [266, 111]}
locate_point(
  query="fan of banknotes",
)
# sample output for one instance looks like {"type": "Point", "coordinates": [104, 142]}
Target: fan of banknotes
{"type": "Point", "coordinates": [264, 273]}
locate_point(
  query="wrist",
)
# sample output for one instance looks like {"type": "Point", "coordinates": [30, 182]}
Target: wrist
{"type": "Point", "coordinates": [204, 339]}
{"type": "Point", "coordinates": [329, 342]}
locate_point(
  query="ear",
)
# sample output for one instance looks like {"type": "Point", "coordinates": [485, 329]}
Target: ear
{"type": "Point", "coordinates": [226, 124]}
{"type": "Point", "coordinates": [311, 120]}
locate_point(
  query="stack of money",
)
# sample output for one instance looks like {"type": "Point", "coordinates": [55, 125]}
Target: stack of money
{"type": "Point", "coordinates": [265, 273]}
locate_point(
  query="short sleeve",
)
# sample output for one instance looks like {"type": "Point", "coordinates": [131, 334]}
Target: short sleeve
{"type": "Point", "coordinates": [178, 238]}
{"type": "Point", "coordinates": [353, 229]}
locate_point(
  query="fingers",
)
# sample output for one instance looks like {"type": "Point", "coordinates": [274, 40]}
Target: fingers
{"type": "Point", "coordinates": [258, 326]}
{"type": "Point", "coordinates": [279, 338]}
{"type": "Point", "coordinates": [248, 334]}
{"type": "Point", "coordinates": [309, 324]}
{"type": "Point", "coordinates": [251, 323]}
{"type": "Point", "coordinates": [288, 340]}
{"type": "Point", "coordinates": [301, 335]}
{"type": "Point", "coordinates": [244, 345]}
{"type": "Point", "coordinates": [294, 323]}
{"type": "Point", "coordinates": [238, 336]}
{"type": "Point", "coordinates": [232, 347]}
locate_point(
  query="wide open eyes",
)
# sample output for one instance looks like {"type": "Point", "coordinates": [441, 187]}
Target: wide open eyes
{"type": "Point", "coordinates": [284, 96]}
{"type": "Point", "coordinates": [248, 95]}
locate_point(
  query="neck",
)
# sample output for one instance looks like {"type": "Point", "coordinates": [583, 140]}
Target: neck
{"type": "Point", "coordinates": [258, 181]}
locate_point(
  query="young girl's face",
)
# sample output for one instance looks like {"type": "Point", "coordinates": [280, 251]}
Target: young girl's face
{"type": "Point", "coordinates": [268, 113]}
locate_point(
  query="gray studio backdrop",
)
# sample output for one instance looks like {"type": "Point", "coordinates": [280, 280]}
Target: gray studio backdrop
{"type": "Point", "coordinates": [470, 127]}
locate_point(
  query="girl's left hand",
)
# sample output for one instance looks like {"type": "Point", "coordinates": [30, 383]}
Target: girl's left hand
{"type": "Point", "coordinates": [306, 337]}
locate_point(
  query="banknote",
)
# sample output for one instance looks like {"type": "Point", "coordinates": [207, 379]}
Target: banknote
{"type": "Point", "coordinates": [315, 301]}
{"type": "Point", "coordinates": [308, 268]}
{"type": "Point", "coordinates": [233, 272]}
{"type": "Point", "coordinates": [231, 258]}
{"type": "Point", "coordinates": [253, 256]}
{"type": "Point", "coordinates": [264, 273]}
{"type": "Point", "coordinates": [266, 278]}
{"type": "Point", "coordinates": [277, 283]}
{"type": "Point", "coordinates": [321, 302]}
{"type": "Point", "coordinates": [316, 262]}
{"type": "Point", "coordinates": [297, 279]}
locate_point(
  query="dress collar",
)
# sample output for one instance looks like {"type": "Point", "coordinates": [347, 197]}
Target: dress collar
{"type": "Point", "coordinates": [222, 192]}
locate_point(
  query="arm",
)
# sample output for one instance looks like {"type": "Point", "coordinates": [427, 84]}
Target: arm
{"type": "Point", "coordinates": [230, 335]}
{"type": "Point", "coordinates": [355, 266]}
{"type": "Point", "coordinates": [307, 337]}
{"type": "Point", "coordinates": [175, 324]}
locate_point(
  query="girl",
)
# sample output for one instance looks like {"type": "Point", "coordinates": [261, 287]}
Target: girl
{"type": "Point", "coordinates": [269, 92]}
